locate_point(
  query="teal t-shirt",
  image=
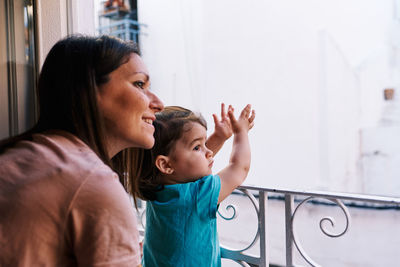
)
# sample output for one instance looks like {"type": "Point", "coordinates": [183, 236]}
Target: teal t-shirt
{"type": "Point", "coordinates": [181, 227]}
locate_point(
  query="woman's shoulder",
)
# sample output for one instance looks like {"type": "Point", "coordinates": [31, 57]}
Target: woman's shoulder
{"type": "Point", "coordinates": [63, 145]}
{"type": "Point", "coordinates": [59, 174]}
{"type": "Point", "coordinates": [66, 149]}
{"type": "Point", "coordinates": [52, 157]}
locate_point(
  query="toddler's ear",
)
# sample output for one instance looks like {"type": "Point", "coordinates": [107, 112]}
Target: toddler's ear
{"type": "Point", "coordinates": [162, 163]}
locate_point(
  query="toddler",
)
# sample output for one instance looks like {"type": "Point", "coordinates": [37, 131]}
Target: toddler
{"type": "Point", "coordinates": [182, 193]}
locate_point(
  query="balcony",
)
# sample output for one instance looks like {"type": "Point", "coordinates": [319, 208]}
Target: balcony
{"type": "Point", "coordinates": [274, 227]}
{"type": "Point", "coordinates": [125, 29]}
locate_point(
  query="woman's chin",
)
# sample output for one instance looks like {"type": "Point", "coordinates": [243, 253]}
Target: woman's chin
{"type": "Point", "coordinates": [149, 144]}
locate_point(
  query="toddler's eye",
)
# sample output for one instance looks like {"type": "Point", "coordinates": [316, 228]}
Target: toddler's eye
{"type": "Point", "coordinates": [196, 148]}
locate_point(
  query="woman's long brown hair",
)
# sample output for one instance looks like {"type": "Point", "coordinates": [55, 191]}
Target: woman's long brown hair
{"type": "Point", "coordinates": [68, 84]}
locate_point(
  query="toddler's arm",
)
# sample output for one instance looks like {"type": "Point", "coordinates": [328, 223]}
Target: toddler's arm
{"type": "Point", "coordinates": [222, 130]}
{"type": "Point", "coordinates": [239, 164]}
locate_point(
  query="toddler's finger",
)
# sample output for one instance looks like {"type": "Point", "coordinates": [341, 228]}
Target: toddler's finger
{"type": "Point", "coordinates": [251, 125]}
{"type": "Point", "coordinates": [246, 111]}
{"type": "Point", "coordinates": [253, 115]}
{"type": "Point", "coordinates": [223, 113]}
{"type": "Point", "coordinates": [231, 109]}
{"type": "Point", "coordinates": [231, 116]}
{"type": "Point", "coordinates": [215, 117]}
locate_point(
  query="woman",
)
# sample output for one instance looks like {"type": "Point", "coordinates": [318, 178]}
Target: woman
{"type": "Point", "coordinates": [61, 201]}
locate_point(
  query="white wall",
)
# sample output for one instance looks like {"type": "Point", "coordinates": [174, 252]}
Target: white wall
{"type": "Point", "coordinates": [308, 67]}
{"type": "Point", "coordinates": [56, 19]}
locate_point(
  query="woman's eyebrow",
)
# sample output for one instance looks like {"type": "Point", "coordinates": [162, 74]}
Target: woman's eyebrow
{"type": "Point", "coordinates": [147, 77]}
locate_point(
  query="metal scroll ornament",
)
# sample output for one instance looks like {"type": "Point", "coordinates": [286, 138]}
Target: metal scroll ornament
{"type": "Point", "coordinates": [233, 210]}
{"type": "Point", "coordinates": [328, 219]}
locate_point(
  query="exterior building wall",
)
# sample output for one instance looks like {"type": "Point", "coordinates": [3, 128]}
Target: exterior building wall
{"type": "Point", "coordinates": [51, 25]}
{"type": "Point", "coordinates": [56, 19]}
{"type": "Point", "coordinates": [314, 72]}
{"type": "Point", "coordinates": [381, 160]}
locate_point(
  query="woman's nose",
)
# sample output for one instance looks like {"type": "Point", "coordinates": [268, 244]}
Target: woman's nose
{"type": "Point", "coordinates": [155, 103]}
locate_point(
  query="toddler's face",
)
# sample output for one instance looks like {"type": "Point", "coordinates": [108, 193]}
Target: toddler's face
{"type": "Point", "coordinates": [190, 159]}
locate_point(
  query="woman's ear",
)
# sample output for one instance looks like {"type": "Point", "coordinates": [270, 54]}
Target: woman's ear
{"type": "Point", "coordinates": [162, 163]}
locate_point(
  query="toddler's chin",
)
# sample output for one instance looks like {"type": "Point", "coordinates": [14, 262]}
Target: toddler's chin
{"type": "Point", "coordinates": [208, 173]}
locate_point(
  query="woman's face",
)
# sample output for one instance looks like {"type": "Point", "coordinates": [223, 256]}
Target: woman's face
{"type": "Point", "coordinates": [128, 107]}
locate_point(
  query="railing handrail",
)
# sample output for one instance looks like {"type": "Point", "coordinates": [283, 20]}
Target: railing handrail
{"type": "Point", "coordinates": [324, 194]}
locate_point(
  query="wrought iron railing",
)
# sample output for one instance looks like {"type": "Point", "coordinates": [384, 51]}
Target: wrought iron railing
{"type": "Point", "coordinates": [242, 256]}
{"type": "Point", "coordinates": [293, 201]}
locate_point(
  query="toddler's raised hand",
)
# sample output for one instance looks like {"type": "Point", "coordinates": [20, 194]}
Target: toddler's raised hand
{"type": "Point", "coordinates": [222, 130]}
{"type": "Point", "coordinates": [223, 127]}
{"type": "Point", "coordinates": [245, 121]}
{"type": "Point", "coordinates": [239, 163]}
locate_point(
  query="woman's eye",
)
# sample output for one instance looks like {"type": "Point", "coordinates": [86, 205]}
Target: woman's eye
{"type": "Point", "coordinates": [196, 148]}
{"type": "Point", "coordinates": [139, 84]}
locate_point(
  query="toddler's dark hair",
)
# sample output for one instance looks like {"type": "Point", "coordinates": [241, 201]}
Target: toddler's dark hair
{"type": "Point", "coordinates": [169, 127]}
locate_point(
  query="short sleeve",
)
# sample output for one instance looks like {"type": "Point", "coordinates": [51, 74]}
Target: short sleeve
{"type": "Point", "coordinates": [208, 189]}
{"type": "Point", "coordinates": [102, 225]}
